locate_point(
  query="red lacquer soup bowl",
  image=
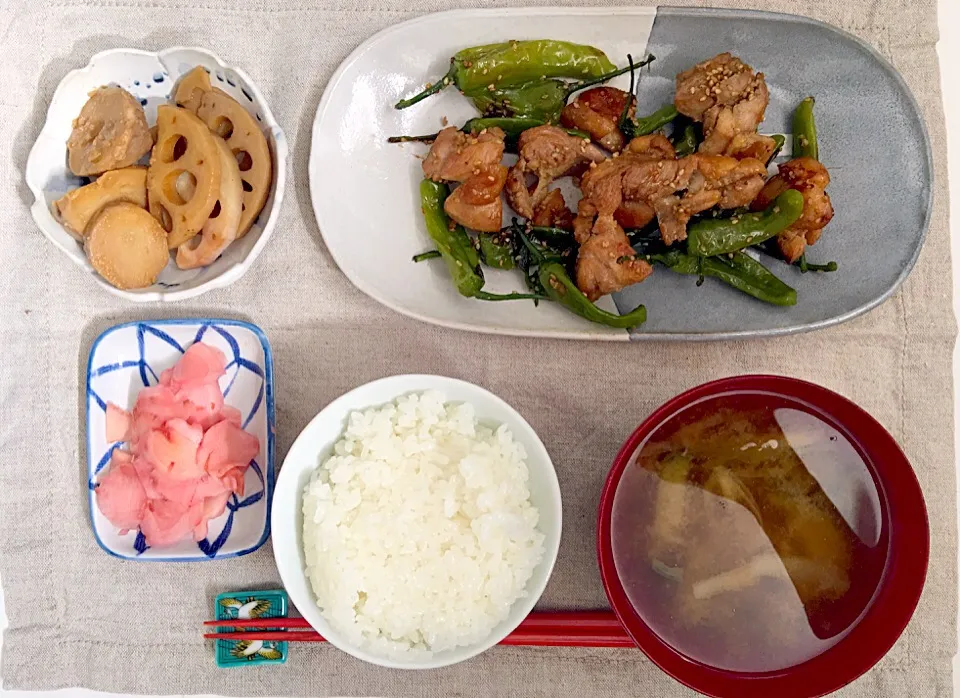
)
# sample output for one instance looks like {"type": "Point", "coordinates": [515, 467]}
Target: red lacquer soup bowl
{"type": "Point", "coordinates": [762, 536]}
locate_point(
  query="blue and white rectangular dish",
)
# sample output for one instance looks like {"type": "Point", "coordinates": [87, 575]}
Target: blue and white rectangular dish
{"type": "Point", "coordinates": [128, 357]}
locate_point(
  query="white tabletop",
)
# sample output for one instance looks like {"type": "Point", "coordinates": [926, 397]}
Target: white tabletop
{"type": "Point", "coordinates": [949, 51]}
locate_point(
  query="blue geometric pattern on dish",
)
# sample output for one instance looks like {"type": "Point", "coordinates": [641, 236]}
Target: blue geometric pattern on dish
{"type": "Point", "coordinates": [128, 357]}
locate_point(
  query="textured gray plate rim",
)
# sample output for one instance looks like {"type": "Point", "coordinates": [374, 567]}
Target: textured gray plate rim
{"type": "Point", "coordinates": [928, 165]}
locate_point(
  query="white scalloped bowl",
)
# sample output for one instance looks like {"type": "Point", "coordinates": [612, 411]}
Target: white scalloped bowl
{"type": "Point", "coordinates": [150, 77]}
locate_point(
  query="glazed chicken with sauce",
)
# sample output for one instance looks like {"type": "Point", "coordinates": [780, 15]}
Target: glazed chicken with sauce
{"type": "Point", "coordinates": [606, 261]}
{"type": "Point", "coordinates": [474, 161]}
{"type": "Point", "coordinates": [810, 178]}
{"type": "Point", "coordinates": [552, 212]}
{"type": "Point", "coordinates": [730, 100]}
{"type": "Point", "coordinates": [648, 178]}
{"type": "Point", "coordinates": [629, 185]}
{"type": "Point", "coordinates": [597, 111]}
{"type": "Point", "coordinates": [546, 153]}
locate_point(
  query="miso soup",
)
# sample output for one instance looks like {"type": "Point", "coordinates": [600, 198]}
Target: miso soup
{"type": "Point", "coordinates": [747, 532]}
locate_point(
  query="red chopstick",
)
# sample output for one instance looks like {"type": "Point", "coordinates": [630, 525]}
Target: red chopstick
{"type": "Point", "coordinates": [546, 629]}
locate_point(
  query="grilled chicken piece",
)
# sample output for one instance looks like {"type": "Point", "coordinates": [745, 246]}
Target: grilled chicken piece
{"type": "Point", "coordinates": [810, 178]}
{"type": "Point", "coordinates": [601, 267]}
{"type": "Point", "coordinates": [546, 152]}
{"type": "Point", "coordinates": [708, 181]}
{"type": "Point", "coordinates": [737, 181]}
{"type": "Point", "coordinates": [674, 212]}
{"type": "Point", "coordinates": [634, 214]}
{"type": "Point", "coordinates": [601, 184]}
{"type": "Point", "coordinates": [721, 80]}
{"type": "Point", "coordinates": [597, 112]}
{"type": "Point", "coordinates": [476, 203]}
{"type": "Point", "coordinates": [751, 145]}
{"type": "Point", "coordinates": [730, 99]}
{"type": "Point", "coordinates": [474, 161]}
{"type": "Point", "coordinates": [552, 212]}
{"type": "Point", "coordinates": [652, 147]}
{"type": "Point", "coordinates": [637, 214]}
{"type": "Point", "coordinates": [674, 190]}
{"type": "Point", "coordinates": [455, 156]}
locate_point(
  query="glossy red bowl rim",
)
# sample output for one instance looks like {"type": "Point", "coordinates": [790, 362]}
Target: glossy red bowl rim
{"type": "Point", "coordinates": [899, 590]}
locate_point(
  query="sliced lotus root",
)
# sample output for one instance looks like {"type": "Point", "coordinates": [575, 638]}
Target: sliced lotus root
{"type": "Point", "coordinates": [191, 88]}
{"type": "Point", "coordinates": [224, 222]}
{"type": "Point", "coordinates": [183, 181]}
{"type": "Point", "coordinates": [227, 118]}
{"type": "Point", "coordinates": [75, 209]}
{"type": "Point", "coordinates": [127, 246]}
{"type": "Point", "coordinates": [111, 132]}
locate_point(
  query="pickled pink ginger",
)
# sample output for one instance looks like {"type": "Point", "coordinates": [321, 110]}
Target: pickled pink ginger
{"type": "Point", "coordinates": [187, 453]}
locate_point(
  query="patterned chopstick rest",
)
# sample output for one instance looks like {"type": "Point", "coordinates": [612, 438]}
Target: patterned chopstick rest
{"type": "Point", "coordinates": [244, 605]}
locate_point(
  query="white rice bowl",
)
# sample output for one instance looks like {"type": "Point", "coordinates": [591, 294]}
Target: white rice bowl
{"type": "Point", "coordinates": [418, 531]}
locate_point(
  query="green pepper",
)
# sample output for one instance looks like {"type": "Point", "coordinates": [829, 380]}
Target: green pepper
{"type": "Point", "coordinates": [560, 287]}
{"type": "Point", "coordinates": [780, 140]}
{"type": "Point", "coordinates": [496, 250]}
{"type": "Point", "coordinates": [456, 248]}
{"type": "Point", "coordinates": [632, 127]}
{"type": "Point", "coordinates": [551, 278]}
{"type": "Point", "coordinates": [770, 248]}
{"type": "Point", "coordinates": [736, 269]}
{"type": "Point", "coordinates": [541, 99]}
{"type": "Point", "coordinates": [556, 238]}
{"type": "Point", "coordinates": [424, 256]}
{"type": "Point", "coordinates": [646, 125]}
{"type": "Point", "coordinates": [685, 137]}
{"type": "Point", "coordinates": [511, 126]}
{"type": "Point", "coordinates": [512, 63]}
{"type": "Point", "coordinates": [806, 266]}
{"type": "Point", "coordinates": [744, 273]}
{"type": "Point", "coordinates": [452, 241]}
{"type": "Point", "coordinates": [708, 238]}
{"type": "Point", "coordinates": [805, 131]}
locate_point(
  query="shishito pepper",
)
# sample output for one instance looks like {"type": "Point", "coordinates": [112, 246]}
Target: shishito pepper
{"type": "Point", "coordinates": [453, 243]}
{"type": "Point", "coordinates": [737, 269]}
{"type": "Point", "coordinates": [711, 237]}
{"type": "Point", "coordinates": [685, 138]}
{"type": "Point", "coordinates": [456, 248]}
{"type": "Point", "coordinates": [542, 99]}
{"type": "Point", "coordinates": [805, 131]}
{"type": "Point", "coordinates": [645, 125]}
{"type": "Point", "coordinates": [496, 249]}
{"type": "Point", "coordinates": [550, 276]}
{"type": "Point", "coordinates": [560, 288]}
{"type": "Point", "coordinates": [632, 127]}
{"type": "Point", "coordinates": [513, 63]}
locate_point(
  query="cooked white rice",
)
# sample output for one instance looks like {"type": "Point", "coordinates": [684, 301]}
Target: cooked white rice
{"type": "Point", "coordinates": [418, 531]}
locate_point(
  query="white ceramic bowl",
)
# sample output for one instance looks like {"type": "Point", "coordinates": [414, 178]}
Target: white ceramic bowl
{"type": "Point", "coordinates": [316, 442]}
{"type": "Point", "coordinates": [127, 357]}
{"type": "Point", "coordinates": [151, 77]}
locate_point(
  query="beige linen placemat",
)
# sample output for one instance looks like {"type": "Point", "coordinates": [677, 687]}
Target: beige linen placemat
{"type": "Point", "coordinates": [80, 617]}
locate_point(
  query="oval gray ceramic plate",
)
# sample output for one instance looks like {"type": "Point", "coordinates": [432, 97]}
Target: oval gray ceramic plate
{"type": "Point", "coordinates": [872, 139]}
